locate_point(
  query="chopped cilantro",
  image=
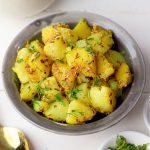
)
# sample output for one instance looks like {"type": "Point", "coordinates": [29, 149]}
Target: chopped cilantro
{"type": "Point", "coordinates": [32, 48]}
{"type": "Point", "coordinates": [58, 97]}
{"type": "Point", "coordinates": [76, 113]}
{"type": "Point", "coordinates": [20, 60]}
{"type": "Point", "coordinates": [73, 93]}
{"type": "Point", "coordinates": [122, 144]}
{"type": "Point", "coordinates": [37, 55]}
{"type": "Point", "coordinates": [96, 81]}
{"type": "Point", "coordinates": [89, 51]}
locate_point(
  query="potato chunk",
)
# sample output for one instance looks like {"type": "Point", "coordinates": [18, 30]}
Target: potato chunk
{"type": "Point", "coordinates": [55, 50]}
{"type": "Point", "coordinates": [123, 75]}
{"type": "Point", "coordinates": [83, 60]}
{"type": "Point", "coordinates": [35, 46]}
{"type": "Point", "coordinates": [64, 75]}
{"type": "Point", "coordinates": [57, 110]}
{"type": "Point", "coordinates": [49, 88]}
{"type": "Point", "coordinates": [104, 68]}
{"type": "Point", "coordinates": [49, 34]}
{"type": "Point", "coordinates": [115, 58]}
{"type": "Point", "coordinates": [103, 99]}
{"type": "Point", "coordinates": [83, 93]}
{"type": "Point", "coordinates": [28, 91]}
{"type": "Point", "coordinates": [79, 112]}
{"type": "Point", "coordinates": [69, 36]}
{"type": "Point", "coordinates": [80, 92]}
{"type": "Point", "coordinates": [82, 29]}
{"type": "Point", "coordinates": [101, 41]}
{"type": "Point", "coordinates": [19, 67]}
{"type": "Point", "coordinates": [40, 106]}
{"type": "Point", "coordinates": [38, 67]}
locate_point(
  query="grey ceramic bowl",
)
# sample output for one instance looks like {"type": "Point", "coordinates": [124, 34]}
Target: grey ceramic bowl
{"type": "Point", "coordinates": [125, 42]}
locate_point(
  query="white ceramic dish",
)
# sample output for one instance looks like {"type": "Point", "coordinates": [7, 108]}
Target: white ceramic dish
{"type": "Point", "coordinates": [146, 113]}
{"type": "Point", "coordinates": [134, 137]}
{"type": "Point", "coordinates": [23, 8]}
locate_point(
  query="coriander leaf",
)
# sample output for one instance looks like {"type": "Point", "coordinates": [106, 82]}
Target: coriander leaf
{"type": "Point", "coordinates": [96, 81]}
{"type": "Point", "coordinates": [89, 51]}
{"type": "Point", "coordinates": [40, 91]}
{"type": "Point", "coordinates": [37, 55]}
{"type": "Point", "coordinates": [59, 98]}
{"type": "Point", "coordinates": [73, 93]}
{"type": "Point", "coordinates": [20, 60]}
{"type": "Point", "coordinates": [32, 48]}
{"type": "Point", "coordinates": [122, 144]}
{"type": "Point", "coordinates": [76, 113]}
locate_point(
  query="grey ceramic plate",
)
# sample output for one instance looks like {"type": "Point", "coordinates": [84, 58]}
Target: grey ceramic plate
{"type": "Point", "coordinates": [125, 42]}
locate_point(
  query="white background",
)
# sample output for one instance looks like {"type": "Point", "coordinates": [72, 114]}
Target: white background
{"type": "Point", "coordinates": [134, 16]}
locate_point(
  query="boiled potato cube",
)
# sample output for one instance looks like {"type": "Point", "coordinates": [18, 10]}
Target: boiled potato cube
{"type": "Point", "coordinates": [123, 75]}
{"type": "Point", "coordinates": [104, 68]}
{"type": "Point", "coordinates": [83, 60]}
{"type": "Point", "coordinates": [57, 110]}
{"type": "Point", "coordinates": [64, 75]}
{"type": "Point", "coordinates": [19, 67]}
{"type": "Point", "coordinates": [55, 50]}
{"type": "Point", "coordinates": [101, 41]}
{"type": "Point", "coordinates": [79, 112]}
{"type": "Point", "coordinates": [28, 91]}
{"type": "Point", "coordinates": [115, 58]}
{"type": "Point", "coordinates": [40, 106]}
{"type": "Point", "coordinates": [69, 36]}
{"type": "Point", "coordinates": [83, 93]}
{"type": "Point", "coordinates": [49, 34]}
{"type": "Point", "coordinates": [103, 99]}
{"type": "Point", "coordinates": [82, 29]}
{"type": "Point", "coordinates": [35, 46]}
{"type": "Point", "coordinates": [50, 88]}
{"type": "Point", "coordinates": [38, 67]}
{"type": "Point", "coordinates": [80, 92]}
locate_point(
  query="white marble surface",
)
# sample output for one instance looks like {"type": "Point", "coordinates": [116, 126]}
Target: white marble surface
{"type": "Point", "coordinates": [134, 16]}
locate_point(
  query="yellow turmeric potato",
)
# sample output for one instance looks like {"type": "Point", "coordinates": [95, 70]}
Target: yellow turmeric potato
{"type": "Point", "coordinates": [49, 88]}
{"type": "Point", "coordinates": [83, 60]}
{"type": "Point", "coordinates": [38, 67]}
{"type": "Point", "coordinates": [19, 67]}
{"type": "Point", "coordinates": [49, 34]}
{"type": "Point", "coordinates": [55, 50]}
{"type": "Point", "coordinates": [82, 29]}
{"type": "Point", "coordinates": [35, 46]}
{"type": "Point", "coordinates": [40, 106]}
{"type": "Point", "coordinates": [115, 58]}
{"type": "Point", "coordinates": [58, 109]}
{"type": "Point", "coordinates": [104, 68]}
{"type": "Point", "coordinates": [101, 41]}
{"type": "Point", "coordinates": [103, 99]}
{"type": "Point", "coordinates": [28, 91]}
{"type": "Point", "coordinates": [69, 36]}
{"type": "Point", "coordinates": [123, 75]}
{"type": "Point", "coordinates": [79, 112]}
{"type": "Point", "coordinates": [80, 92]}
{"type": "Point", "coordinates": [64, 75]}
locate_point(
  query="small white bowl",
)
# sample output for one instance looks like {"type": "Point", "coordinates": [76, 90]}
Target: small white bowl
{"type": "Point", "coordinates": [23, 8]}
{"type": "Point", "coordinates": [133, 137]}
{"type": "Point", "coordinates": [146, 113]}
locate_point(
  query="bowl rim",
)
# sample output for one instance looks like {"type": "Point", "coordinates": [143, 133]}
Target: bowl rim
{"type": "Point", "coordinates": [146, 112]}
{"type": "Point", "coordinates": [94, 126]}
